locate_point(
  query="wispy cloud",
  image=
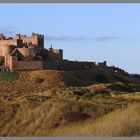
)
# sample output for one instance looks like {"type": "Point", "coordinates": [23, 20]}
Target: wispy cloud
{"type": "Point", "coordinates": [8, 30]}
{"type": "Point", "coordinates": [105, 38]}
{"type": "Point", "coordinates": [66, 39]}
{"type": "Point", "coordinates": [80, 39]}
{"type": "Point", "coordinates": [11, 31]}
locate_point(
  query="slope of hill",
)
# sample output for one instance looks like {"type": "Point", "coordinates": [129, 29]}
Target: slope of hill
{"type": "Point", "coordinates": [41, 80]}
{"type": "Point", "coordinates": [77, 77]}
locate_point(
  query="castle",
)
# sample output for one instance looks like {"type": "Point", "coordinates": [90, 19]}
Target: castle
{"type": "Point", "coordinates": [28, 53]}
{"type": "Point", "coordinates": [24, 52]}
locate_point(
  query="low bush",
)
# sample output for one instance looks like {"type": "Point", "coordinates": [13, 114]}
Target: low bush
{"type": "Point", "coordinates": [7, 76]}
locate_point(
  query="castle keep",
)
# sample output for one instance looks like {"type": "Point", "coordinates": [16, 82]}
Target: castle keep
{"type": "Point", "coordinates": [28, 53]}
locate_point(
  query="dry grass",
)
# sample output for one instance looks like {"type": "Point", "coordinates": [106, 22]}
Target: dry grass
{"type": "Point", "coordinates": [122, 122]}
{"type": "Point", "coordinates": [43, 115]}
{"type": "Point", "coordinates": [46, 115]}
{"type": "Point", "coordinates": [40, 80]}
{"type": "Point", "coordinates": [53, 103]}
{"type": "Point", "coordinates": [38, 114]}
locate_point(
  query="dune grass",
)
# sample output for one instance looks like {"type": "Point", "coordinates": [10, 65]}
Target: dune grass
{"type": "Point", "coordinates": [54, 103]}
{"type": "Point", "coordinates": [33, 116]}
{"type": "Point", "coordinates": [43, 114]}
{"type": "Point", "coordinates": [122, 122]}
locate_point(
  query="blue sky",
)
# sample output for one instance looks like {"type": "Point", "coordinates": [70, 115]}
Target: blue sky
{"type": "Point", "coordinates": [86, 32]}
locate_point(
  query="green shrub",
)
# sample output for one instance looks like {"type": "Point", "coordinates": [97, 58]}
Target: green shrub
{"type": "Point", "coordinates": [105, 94]}
{"type": "Point", "coordinates": [80, 91]}
{"type": "Point", "coordinates": [123, 88]}
{"type": "Point", "coordinates": [89, 95]}
{"type": "Point", "coordinates": [7, 76]}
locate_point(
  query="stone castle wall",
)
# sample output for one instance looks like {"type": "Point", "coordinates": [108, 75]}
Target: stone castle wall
{"type": "Point", "coordinates": [14, 64]}
{"type": "Point", "coordinates": [67, 65]}
{"type": "Point", "coordinates": [30, 65]}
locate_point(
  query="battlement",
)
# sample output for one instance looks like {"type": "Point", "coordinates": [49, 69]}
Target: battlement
{"type": "Point", "coordinates": [38, 35]}
{"type": "Point", "coordinates": [117, 70]}
{"type": "Point", "coordinates": [2, 37]}
{"type": "Point", "coordinates": [35, 40]}
{"type": "Point", "coordinates": [102, 64]}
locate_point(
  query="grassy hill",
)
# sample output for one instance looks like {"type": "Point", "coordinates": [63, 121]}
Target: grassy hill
{"type": "Point", "coordinates": [68, 103]}
{"type": "Point", "coordinates": [41, 80]}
